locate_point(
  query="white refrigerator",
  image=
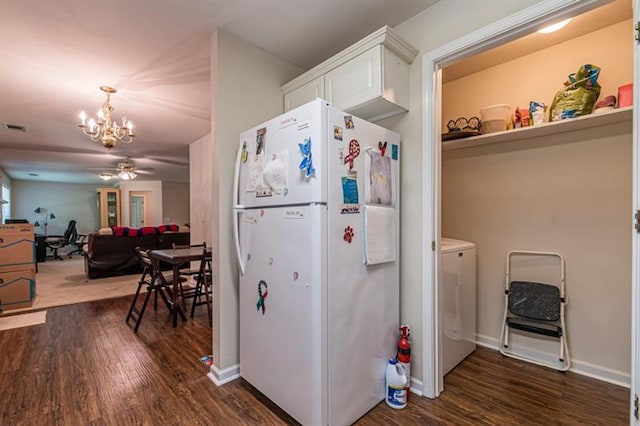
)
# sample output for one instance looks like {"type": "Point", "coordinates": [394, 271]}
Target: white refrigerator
{"type": "Point", "coordinates": [316, 229]}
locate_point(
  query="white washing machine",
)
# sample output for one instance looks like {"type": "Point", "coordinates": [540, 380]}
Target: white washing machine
{"type": "Point", "coordinates": [458, 302]}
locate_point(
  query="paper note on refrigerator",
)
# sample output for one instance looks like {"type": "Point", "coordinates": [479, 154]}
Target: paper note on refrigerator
{"type": "Point", "coordinates": [379, 175]}
{"type": "Point", "coordinates": [256, 163]}
{"type": "Point", "coordinates": [380, 234]}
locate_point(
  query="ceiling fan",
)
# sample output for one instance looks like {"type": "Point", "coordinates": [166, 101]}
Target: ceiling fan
{"type": "Point", "coordinates": [124, 170]}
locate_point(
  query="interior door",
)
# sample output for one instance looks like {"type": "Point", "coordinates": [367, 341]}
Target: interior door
{"type": "Point", "coordinates": [137, 211]}
{"type": "Point", "coordinates": [635, 308]}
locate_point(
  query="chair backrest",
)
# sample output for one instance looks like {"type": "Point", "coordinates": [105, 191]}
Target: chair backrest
{"type": "Point", "coordinates": [175, 246]}
{"type": "Point", "coordinates": [145, 262]}
{"type": "Point", "coordinates": [150, 267]}
{"type": "Point", "coordinates": [71, 233]}
{"type": "Point", "coordinates": [205, 263]}
{"type": "Point", "coordinates": [144, 257]}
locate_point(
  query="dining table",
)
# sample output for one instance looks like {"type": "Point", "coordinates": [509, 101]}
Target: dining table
{"type": "Point", "coordinates": [176, 258]}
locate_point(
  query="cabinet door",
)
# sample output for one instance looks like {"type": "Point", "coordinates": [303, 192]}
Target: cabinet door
{"type": "Point", "coordinates": [109, 207]}
{"type": "Point", "coordinates": [355, 82]}
{"type": "Point", "coordinates": [302, 95]}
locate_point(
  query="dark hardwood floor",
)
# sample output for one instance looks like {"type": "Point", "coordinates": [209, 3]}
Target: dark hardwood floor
{"type": "Point", "coordinates": [86, 366]}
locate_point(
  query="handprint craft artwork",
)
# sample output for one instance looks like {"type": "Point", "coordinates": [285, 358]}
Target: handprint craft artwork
{"type": "Point", "coordinates": [380, 179]}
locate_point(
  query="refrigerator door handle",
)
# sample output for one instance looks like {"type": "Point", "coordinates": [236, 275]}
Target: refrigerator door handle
{"type": "Point", "coordinates": [236, 179]}
{"type": "Point", "coordinates": [236, 237]}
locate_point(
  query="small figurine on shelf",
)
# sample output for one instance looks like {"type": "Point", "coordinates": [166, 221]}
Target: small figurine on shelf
{"type": "Point", "coordinates": [462, 128]}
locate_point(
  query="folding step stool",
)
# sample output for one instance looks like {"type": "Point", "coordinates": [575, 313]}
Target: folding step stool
{"type": "Point", "coordinates": [535, 308]}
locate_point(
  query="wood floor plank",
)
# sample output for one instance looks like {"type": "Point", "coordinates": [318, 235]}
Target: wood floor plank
{"type": "Point", "coordinates": [85, 366]}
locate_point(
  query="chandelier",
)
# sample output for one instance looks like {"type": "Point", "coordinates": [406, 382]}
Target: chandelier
{"type": "Point", "coordinates": [104, 129]}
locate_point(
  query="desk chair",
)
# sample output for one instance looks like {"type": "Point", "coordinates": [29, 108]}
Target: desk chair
{"type": "Point", "coordinates": [56, 242]}
{"type": "Point", "coordinates": [77, 240]}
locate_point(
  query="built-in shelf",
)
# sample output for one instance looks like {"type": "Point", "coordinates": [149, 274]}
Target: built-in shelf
{"type": "Point", "coordinates": [569, 125]}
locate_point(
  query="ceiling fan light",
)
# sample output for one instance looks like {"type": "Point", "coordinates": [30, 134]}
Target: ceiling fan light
{"type": "Point", "coordinates": [105, 176]}
{"type": "Point", "coordinates": [127, 175]}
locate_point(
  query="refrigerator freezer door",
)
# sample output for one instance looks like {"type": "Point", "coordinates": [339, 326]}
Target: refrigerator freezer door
{"type": "Point", "coordinates": [363, 301]}
{"type": "Point", "coordinates": [280, 162]}
{"type": "Point", "coordinates": [282, 308]}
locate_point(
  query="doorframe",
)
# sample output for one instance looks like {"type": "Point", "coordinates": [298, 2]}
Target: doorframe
{"type": "Point", "coordinates": [635, 260]}
{"type": "Point", "coordinates": [502, 31]}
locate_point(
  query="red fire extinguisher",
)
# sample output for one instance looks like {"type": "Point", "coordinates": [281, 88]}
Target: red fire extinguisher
{"type": "Point", "coordinates": [404, 351]}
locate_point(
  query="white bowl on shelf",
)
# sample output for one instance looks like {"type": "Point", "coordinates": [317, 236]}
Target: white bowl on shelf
{"type": "Point", "coordinates": [495, 118]}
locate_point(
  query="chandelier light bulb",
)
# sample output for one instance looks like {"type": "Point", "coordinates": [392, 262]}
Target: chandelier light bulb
{"type": "Point", "coordinates": [105, 130]}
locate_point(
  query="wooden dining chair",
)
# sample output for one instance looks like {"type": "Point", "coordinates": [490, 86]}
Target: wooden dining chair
{"type": "Point", "coordinates": [155, 282]}
{"type": "Point", "coordinates": [204, 285]}
{"type": "Point", "coordinates": [186, 268]}
{"type": "Point", "coordinates": [187, 272]}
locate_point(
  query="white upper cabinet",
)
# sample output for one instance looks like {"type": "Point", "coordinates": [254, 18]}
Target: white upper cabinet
{"type": "Point", "coordinates": [373, 85]}
{"type": "Point", "coordinates": [369, 79]}
{"type": "Point", "coordinates": [303, 94]}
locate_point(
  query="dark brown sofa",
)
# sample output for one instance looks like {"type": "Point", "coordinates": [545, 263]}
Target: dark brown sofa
{"type": "Point", "coordinates": [109, 255]}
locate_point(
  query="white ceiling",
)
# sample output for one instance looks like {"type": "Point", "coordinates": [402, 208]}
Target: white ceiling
{"type": "Point", "coordinates": [55, 54]}
{"type": "Point", "coordinates": [593, 20]}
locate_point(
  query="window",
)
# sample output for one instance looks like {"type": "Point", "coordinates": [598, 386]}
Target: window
{"type": "Point", "coordinates": [6, 202]}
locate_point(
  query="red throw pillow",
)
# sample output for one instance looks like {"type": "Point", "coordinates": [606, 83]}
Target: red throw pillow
{"type": "Point", "coordinates": [118, 231]}
{"type": "Point", "coordinates": [168, 228]}
{"type": "Point", "coordinates": [123, 231]}
{"type": "Point", "coordinates": [148, 230]}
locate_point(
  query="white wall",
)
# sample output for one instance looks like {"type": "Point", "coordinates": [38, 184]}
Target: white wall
{"type": "Point", "coordinates": [573, 199]}
{"type": "Point", "coordinates": [245, 84]}
{"type": "Point", "coordinates": [175, 203]}
{"type": "Point", "coordinates": [443, 22]}
{"type": "Point", "coordinates": [67, 201]}
{"type": "Point", "coordinates": [153, 202]}
{"type": "Point", "coordinates": [200, 190]}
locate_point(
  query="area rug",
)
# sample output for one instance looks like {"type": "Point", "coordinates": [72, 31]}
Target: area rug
{"type": "Point", "coordinates": [23, 320]}
{"type": "Point", "coordinates": [64, 282]}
